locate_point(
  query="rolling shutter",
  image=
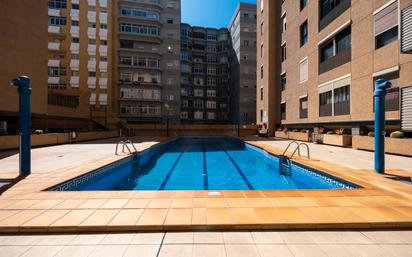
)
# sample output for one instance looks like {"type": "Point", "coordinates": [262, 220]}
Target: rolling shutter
{"type": "Point", "coordinates": [406, 109]}
{"type": "Point", "coordinates": [303, 70]}
{"type": "Point", "coordinates": [386, 18]}
{"type": "Point", "coordinates": [406, 30]}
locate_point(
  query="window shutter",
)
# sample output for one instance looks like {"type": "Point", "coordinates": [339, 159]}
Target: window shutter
{"type": "Point", "coordinates": [386, 18]}
{"type": "Point", "coordinates": [406, 30]}
{"type": "Point", "coordinates": [303, 70]}
{"type": "Point", "coordinates": [406, 109]}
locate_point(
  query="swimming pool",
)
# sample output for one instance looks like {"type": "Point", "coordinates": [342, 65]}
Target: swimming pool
{"type": "Point", "coordinates": [203, 163]}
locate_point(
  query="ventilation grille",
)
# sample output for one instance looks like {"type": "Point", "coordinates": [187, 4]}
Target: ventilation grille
{"type": "Point", "coordinates": [406, 109]}
{"type": "Point", "coordinates": [406, 30]}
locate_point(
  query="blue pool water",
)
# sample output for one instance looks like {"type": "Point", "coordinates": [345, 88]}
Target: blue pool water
{"type": "Point", "coordinates": [216, 163]}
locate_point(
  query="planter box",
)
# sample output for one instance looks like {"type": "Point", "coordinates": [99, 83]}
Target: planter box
{"type": "Point", "coordinates": [338, 140]}
{"type": "Point", "coordinates": [401, 146]}
{"type": "Point", "coordinates": [299, 136]}
{"type": "Point", "coordinates": [281, 134]}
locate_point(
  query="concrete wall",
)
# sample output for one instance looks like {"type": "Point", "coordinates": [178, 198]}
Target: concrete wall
{"type": "Point", "coordinates": [12, 142]}
{"type": "Point", "coordinates": [192, 130]}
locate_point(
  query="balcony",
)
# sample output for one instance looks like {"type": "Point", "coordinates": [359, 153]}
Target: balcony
{"type": "Point", "coordinates": [103, 82]}
{"type": "Point", "coordinates": [74, 47]}
{"type": "Point", "coordinates": [91, 49]}
{"type": "Point", "coordinates": [103, 49]}
{"type": "Point", "coordinates": [103, 99]}
{"type": "Point", "coordinates": [75, 30]}
{"type": "Point", "coordinates": [92, 99]}
{"type": "Point", "coordinates": [53, 80]}
{"type": "Point", "coordinates": [342, 108]}
{"type": "Point", "coordinates": [91, 2]}
{"type": "Point", "coordinates": [53, 46]}
{"type": "Point", "coordinates": [54, 12]}
{"type": "Point", "coordinates": [91, 32]}
{"type": "Point", "coordinates": [63, 100]}
{"type": "Point", "coordinates": [91, 16]}
{"type": "Point", "coordinates": [91, 82]}
{"type": "Point", "coordinates": [74, 14]}
{"type": "Point", "coordinates": [74, 64]}
{"type": "Point", "coordinates": [325, 110]}
{"type": "Point", "coordinates": [103, 65]}
{"type": "Point", "coordinates": [336, 12]}
{"type": "Point", "coordinates": [335, 61]}
{"type": "Point", "coordinates": [103, 33]}
{"type": "Point", "coordinates": [103, 3]}
{"type": "Point", "coordinates": [54, 29]}
{"type": "Point", "coordinates": [103, 17]}
{"type": "Point", "coordinates": [74, 81]}
{"type": "Point", "coordinates": [91, 65]}
{"type": "Point", "coordinates": [54, 63]}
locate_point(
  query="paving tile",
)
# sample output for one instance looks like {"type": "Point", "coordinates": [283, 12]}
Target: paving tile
{"type": "Point", "coordinates": [56, 239]}
{"type": "Point", "coordinates": [182, 203]}
{"type": "Point", "coordinates": [92, 204]}
{"type": "Point", "coordinates": [237, 202]}
{"type": "Point", "coordinates": [268, 250]}
{"type": "Point", "coordinates": [117, 239]}
{"type": "Point", "coordinates": [76, 250]}
{"type": "Point", "coordinates": [72, 218]}
{"type": "Point", "coordinates": [148, 238]}
{"type": "Point", "coordinates": [69, 204]}
{"type": "Point", "coordinates": [137, 203]}
{"type": "Point", "coordinates": [209, 250]}
{"type": "Point", "coordinates": [179, 217]}
{"type": "Point", "coordinates": [219, 216]}
{"type": "Point", "coordinates": [42, 251]}
{"type": "Point", "coordinates": [176, 251]}
{"type": "Point", "coordinates": [159, 203]}
{"type": "Point", "coordinates": [29, 240]}
{"type": "Point", "coordinates": [208, 238]}
{"type": "Point", "coordinates": [126, 217]}
{"type": "Point", "coordinates": [242, 251]}
{"type": "Point", "coordinates": [46, 218]}
{"type": "Point", "coordinates": [13, 251]}
{"type": "Point", "coordinates": [237, 238]}
{"type": "Point", "coordinates": [99, 218]}
{"type": "Point", "coordinates": [216, 203]}
{"type": "Point", "coordinates": [114, 204]}
{"type": "Point", "coordinates": [296, 237]}
{"type": "Point", "coordinates": [87, 239]}
{"type": "Point", "coordinates": [152, 217]}
{"type": "Point", "coordinates": [142, 251]}
{"type": "Point", "coordinates": [45, 204]}
{"type": "Point", "coordinates": [366, 250]}
{"type": "Point", "coordinates": [109, 251]}
{"type": "Point", "coordinates": [389, 237]}
{"type": "Point", "coordinates": [258, 202]}
{"type": "Point", "coordinates": [267, 237]}
{"type": "Point", "coordinates": [178, 238]}
{"type": "Point", "coordinates": [397, 250]}
{"type": "Point", "coordinates": [336, 250]}
{"type": "Point", "coordinates": [20, 218]}
{"type": "Point", "coordinates": [270, 216]}
{"type": "Point", "coordinates": [307, 251]}
{"type": "Point", "coordinates": [7, 213]}
{"type": "Point", "coordinates": [338, 237]}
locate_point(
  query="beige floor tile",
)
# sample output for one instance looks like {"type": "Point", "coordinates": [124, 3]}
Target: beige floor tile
{"type": "Point", "coordinates": [137, 203]}
{"type": "Point", "coordinates": [307, 251]}
{"type": "Point", "coordinates": [397, 250]}
{"type": "Point", "coordinates": [45, 204]}
{"type": "Point", "coordinates": [99, 218]}
{"type": "Point", "coordinates": [209, 250]}
{"type": "Point", "coordinates": [114, 204]}
{"type": "Point", "coordinates": [178, 238]}
{"type": "Point", "coordinates": [126, 217]}
{"type": "Point", "coordinates": [336, 250]}
{"type": "Point", "coordinates": [23, 240]}
{"type": "Point", "coordinates": [13, 251]}
{"type": "Point", "coordinates": [142, 251]}
{"type": "Point", "coordinates": [296, 237]}
{"type": "Point", "coordinates": [389, 237]}
{"type": "Point", "coordinates": [244, 216]}
{"type": "Point", "coordinates": [69, 204]}
{"type": "Point", "coordinates": [159, 203]}
{"type": "Point", "coordinates": [152, 217]}
{"type": "Point", "coordinates": [338, 237]}
{"type": "Point", "coordinates": [208, 238]}
{"type": "Point", "coordinates": [148, 238]}
{"type": "Point", "coordinates": [267, 237]}
{"type": "Point", "coordinates": [179, 217]}
{"type": "Point", "coordinates": [366, 251]}
{"type": "Point", "coordinates": [42, 251]}
{"type": "Point", "coordinates": [76, 250]}
{"type": "Point", "coordinates": [46, 218]}
{"type": "Point", "coordinates": [176, 251]}
{"type": "Point", "coordinates": [56, 239]}
{"type": "Point", "coordinates": [73, 218]}
{"type": "Point", "coordinates": [20, 218]}
{"type": "Point", "coordinates": [237, 238]}
{"type": "Point", "coordinates": [87, 239]}
{"type": "Point", "coordinates": [268, 250]}
{"type": "Point", "coordinates": [117, 239]}
{"type": "Point", "coordinates": [241, 251]}
{"type": "Point", "coordinates": [92, 204]}
{"type": "Point", "coordinates": [7, 213]}
{"type": "Point", "coordinates": [109, 251]}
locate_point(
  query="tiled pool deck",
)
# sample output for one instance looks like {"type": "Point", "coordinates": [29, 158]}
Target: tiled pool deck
{"type": "Point", "coordinates": [382, 203]}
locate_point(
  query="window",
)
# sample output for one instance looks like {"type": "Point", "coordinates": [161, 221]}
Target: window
{"type": "Point", "coordinates": [246, 43]}
{"type": "Point", "coordinates": [57, 71]}
{"type": "Point", "coordinates": [392, 94]}
{"type": "Point", "coordinates": [261, 28]}
{"type": "Point", "coordinates": [283, 111]}
{"type": "Point", "coordinates": [169, 20]}
{"type": "Point", "coordinates": [386, 25]}
{"type": "Point", "coordinates": [142, 14]}
{"type": "Point", "coordinates": [334, 98]}
{"type": "Point", "coordinates": [103, 25]}
{"type": "Point", "coordinates": [304, 33]}
{"type": "Point", "coordinates": [284, 23]}
{"type": "Point", "coordinates": [326, 6]}
{"type": "Point", "coordinates": [92, 74]}
{"type": "Point", "coordinates": [329, 10]}
{"type": "Point", "coordinates": [325, 104]}
{"type": "Point", "coordinates": [303, 70]}
{"type": "Point", "coordinates": [103, 42]}
{"type": "Point", "coordinates": [261, 50]}
{"type": "Point", "coordinates": [339, 45]}
{"type": "Point", "coordinates": [303, 4]}
{"type": "Point", "coordinates": [303, 107]}
{"type": "Point", "coordinates": [261, 72]}
{"type": "Point", "coordinates": [283, 81]}
{"type": "Point", "coordinates": [57, 4]}
{"type": "Point", "coordinates": [75, 23]}
{"type": "Point", "coordinates": [139, 29]}
{"type": "Point", "coordinates": [283, 49]}
{"type": "Point", "coordinates": [75, 40]}
{"type": "Point", "coordinates": [57, 21]}
{"type": "Point", "coordinates": [261, 93]}
{"type": "Point", "coordinates": [75, 6]}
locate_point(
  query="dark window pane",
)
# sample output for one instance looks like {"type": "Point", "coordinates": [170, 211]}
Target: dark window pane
{"type": "Point", "coordinates": [386, 37]}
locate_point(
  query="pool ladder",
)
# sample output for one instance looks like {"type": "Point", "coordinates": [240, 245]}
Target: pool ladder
{"type": "Point", "coordinates": [285, 161]}
{"type": "Point", "coordinates": [125, 144]}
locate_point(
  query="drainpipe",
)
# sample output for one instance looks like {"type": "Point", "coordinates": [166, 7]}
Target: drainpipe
{"type": "Point", "coordinates": [380, 92]}
{"type": "Point", "coordinates": [23, 87]}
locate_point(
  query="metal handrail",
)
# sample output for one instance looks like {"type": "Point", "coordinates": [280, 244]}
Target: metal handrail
{"type": "Point", "coordinates": [130, 142]}
{"type": "Point", "coordinates": [307, 149]}
{"type": "Point", "coordinates": [125, 145]}
{"type": "Point", "coordinates": [293, 142]}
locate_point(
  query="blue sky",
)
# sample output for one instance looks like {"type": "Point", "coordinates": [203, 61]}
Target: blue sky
{"type": "Point", "coordinates": [209, 13]}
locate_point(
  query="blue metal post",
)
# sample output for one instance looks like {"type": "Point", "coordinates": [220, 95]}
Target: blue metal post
{"type": "Point", "coordinates": [380, 91]}
{"type": "Point", "coordinates": [23, 84]}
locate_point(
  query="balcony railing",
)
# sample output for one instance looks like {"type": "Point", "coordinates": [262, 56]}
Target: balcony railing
{"type": "Point", "coordinates": [335, 61]}
{"type": "Point", "coordinates": [63, 100]}
{"type": "Point", "coordinates": [392, 100]}
{"type": "Point", "coordinates": [325, 110]}
{"type": "Point", "coordinates": [336, 12]}
{"type": "Point", "coordinates": [342, 108]}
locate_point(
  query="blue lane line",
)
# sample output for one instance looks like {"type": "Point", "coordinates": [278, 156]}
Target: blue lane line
{"type": "Point", "coordinates": [205, 182]}
{"type": "Point", "coordinates": [247, 182]}
{"type": "Point", "coordinates": [169, 174]}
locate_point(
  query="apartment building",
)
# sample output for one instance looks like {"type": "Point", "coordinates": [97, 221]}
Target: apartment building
{"type": "Point", "coordinates": [205, 92]}
{"type": "Point", "coordinates": [243, 63]}
{"type": "Point", "coordinates": [331, 52]}
{"type": "Point", "coordinates": [28, 36]}
{"type": "Point", "coordinates": [147, 69]}
{"type": "Point", "coordinates": [79, 77]}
